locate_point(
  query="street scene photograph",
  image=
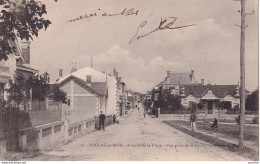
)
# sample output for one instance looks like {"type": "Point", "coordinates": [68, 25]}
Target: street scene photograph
{"type": "Point", "coordinates": [146, 80]}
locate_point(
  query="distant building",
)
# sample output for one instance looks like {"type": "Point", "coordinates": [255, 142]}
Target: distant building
{"type": "Point", "coordinates": [121, 94]}
{"type": "Point", "coordinates": [173, 80]}
{"type": "Point", "coordinates": [209, 95]}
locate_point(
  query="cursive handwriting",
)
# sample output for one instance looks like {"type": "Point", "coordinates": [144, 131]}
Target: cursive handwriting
{"type": "Point", "coordinates": [125, 12]}
{"type": "Point", "coordinates": [166, 23]}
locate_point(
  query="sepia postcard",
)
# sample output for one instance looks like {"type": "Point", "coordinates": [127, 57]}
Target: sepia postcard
{"type": "Point", "coordinates": [132, 80]}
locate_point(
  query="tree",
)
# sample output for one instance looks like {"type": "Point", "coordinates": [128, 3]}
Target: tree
{"type": "Point", "coordinates": [41, 89]}
{"type": "Point", "coordinates": [147, 103]}
{"type": "Point", "coordinates": [57, 95]}
{"type": "Point", "coordinates": [252, 101]}
{"type": "Point", "coordinates": [168, 102]}
{"type": "Point", "coordinates": [39, 86]}
{"type": "Point", "coordinates": [19, 91]}
{"type": "Point", "coordinates": [22, 20]}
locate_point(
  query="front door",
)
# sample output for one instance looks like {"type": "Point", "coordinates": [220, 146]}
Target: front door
{"type": "Point", "coordinates": [210, 105]}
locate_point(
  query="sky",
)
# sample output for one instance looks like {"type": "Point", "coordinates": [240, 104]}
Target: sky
{"type": "Point", "coordinates": [211, 47]}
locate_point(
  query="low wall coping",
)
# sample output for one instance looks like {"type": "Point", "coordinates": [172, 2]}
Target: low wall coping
{"type": "Point", "coordinates": [42, 126]}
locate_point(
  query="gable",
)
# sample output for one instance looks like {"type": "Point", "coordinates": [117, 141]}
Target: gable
{"type": "Point", "coordinates": [66, 87]}
{"type": "Point", "coordinates": [80, 90]}
{"type": "Point", "coordinates": [191, 98]}
{"type": "Point", "coordinates": [209, 95]}
{"type": "Point", "coordinates": [80, 83]}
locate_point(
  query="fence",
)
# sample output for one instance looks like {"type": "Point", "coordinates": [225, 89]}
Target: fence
{"type": "Point", "coordinates": [186, 117]}
{"type": "Point", "coordinates": [2, 144]}
{"type": "Point", "coordinates": [43, 137]}
{"type": "Point", "coordinates": [14, 121]}
{"type": "Point", "coordinates": [80, 128]}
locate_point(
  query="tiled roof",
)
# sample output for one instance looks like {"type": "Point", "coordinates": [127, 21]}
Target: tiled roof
{"type": "Point", "coordinates": [219, 91]}
{"type": "Point", "coordinates": [83, 83]}
{"type": "Point", "coordinates": [100, 87]}
{"type": "Point", "coordinates": [180, 78]}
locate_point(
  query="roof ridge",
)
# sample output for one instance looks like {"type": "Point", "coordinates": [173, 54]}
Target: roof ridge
{"type": "Point", "coordinates": [82, 82]}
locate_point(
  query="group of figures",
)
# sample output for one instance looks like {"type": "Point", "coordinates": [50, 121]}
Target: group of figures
{"type": "Point", "coordinates": [193, 120]}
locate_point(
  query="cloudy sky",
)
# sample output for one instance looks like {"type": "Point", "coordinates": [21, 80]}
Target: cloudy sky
{"type": "Point", "coordinates": [211, 47]}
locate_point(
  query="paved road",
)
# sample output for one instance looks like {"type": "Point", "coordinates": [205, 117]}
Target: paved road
{"type": "Point", "coordinates": [137, 139]}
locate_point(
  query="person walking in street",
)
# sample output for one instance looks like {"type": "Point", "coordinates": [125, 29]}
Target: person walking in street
{"type": "Point", "coordinates": [144, 113]}
{"type": "Point", "coordinates": [114, 118]}
{"type": "Point", "coordinates": [102, 118]}
{"type": "Point", "coordinates": [193, 121]}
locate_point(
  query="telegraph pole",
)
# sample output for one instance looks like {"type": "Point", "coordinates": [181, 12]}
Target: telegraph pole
{"type": "Point", "coordinates": [242, 73]}
{"type": "Point", "coordinates": [242, 76]}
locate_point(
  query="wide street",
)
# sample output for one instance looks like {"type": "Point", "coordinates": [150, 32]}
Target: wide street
{"type": "Point", "coordinates": [137, 138]}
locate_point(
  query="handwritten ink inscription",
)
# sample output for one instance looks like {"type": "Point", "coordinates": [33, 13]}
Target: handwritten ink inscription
{"type": "Point", "coordinates": [125, 12]}
{"type": "Point", "coordinates": [166, 23]}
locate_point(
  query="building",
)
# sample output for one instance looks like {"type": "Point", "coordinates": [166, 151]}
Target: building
{"type": "Point", "coordinates": [92, 86]}
{"type": "Point", "coordinates": [187, 87]}
{"type": "Point", "coordinates": [173, 80]}
{"type": "Point", "coordinates": [85, 99]}
{"type": "Point", "coordinates": [121, 94]}
{"type": "Point", "coordinates": [17, 62]}
{"type": "Point", "coordinates": [209, 95]}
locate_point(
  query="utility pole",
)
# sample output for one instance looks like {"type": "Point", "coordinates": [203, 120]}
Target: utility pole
{"type": "Point", "coordinates": [242, 73]}
{"type": "Point", "coordinates": [242, 77]}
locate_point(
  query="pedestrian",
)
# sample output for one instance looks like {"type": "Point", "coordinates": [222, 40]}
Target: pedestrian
{"type": "Point", "coordinates": [114, 118]}
{"type": "Point", "coordinates": [193, 121]}
{"type": "Point", "coordinates": [138, 108]}
{"type": "Point", "coordinates": [102, 118]}
{"type": "Point", "coordinates": [215, 123]}
{"type": "Point", "coordinates": [238, 120]}
{"type": "Point", "coordinates": [144, 114]}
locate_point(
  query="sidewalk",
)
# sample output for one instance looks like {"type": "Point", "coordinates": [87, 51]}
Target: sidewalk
{"type": "Point", "coordinates": [217, 138]}
{"type": "Point", "coordinates": [20, 155]}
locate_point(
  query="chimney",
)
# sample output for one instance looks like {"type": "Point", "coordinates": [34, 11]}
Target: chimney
{"type": "Point", "coordinates": [202, 82]}
{"type": "Point", "coordinates": [168, 73]}
{"type": "Point", "coordinates": [60, 73]}
{"type": "Point", "coordinates": [73, 68]}
{"type": "Point", "coordinates": [192, 76]}
{"type": "Point", "coordinates": [88, 80]}
{"type": "Point", "coordinates": [26, 52]}
{"type": "Point", "coordinates": [114, 72]}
